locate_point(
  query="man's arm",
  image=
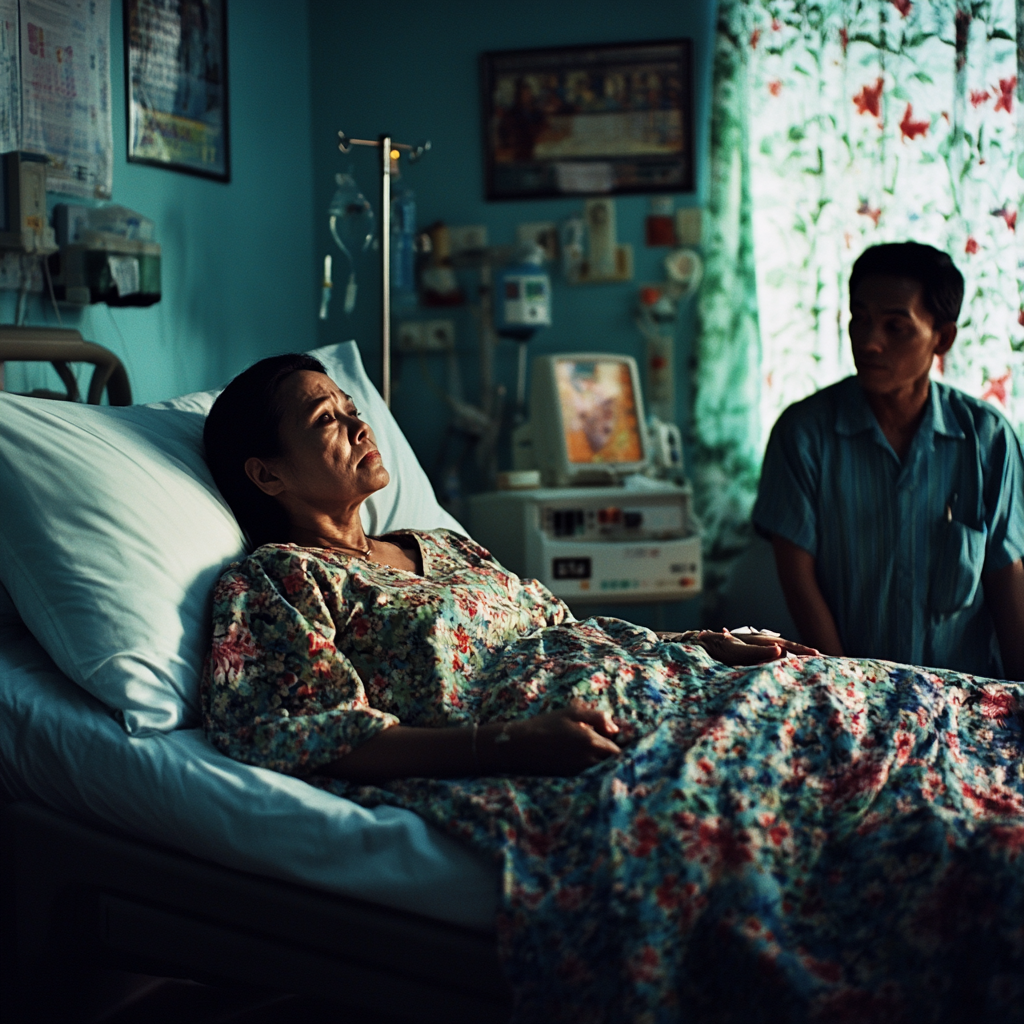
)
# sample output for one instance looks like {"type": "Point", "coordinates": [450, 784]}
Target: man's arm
{"type": "Point", "coordinates": [804, 598]}
{"type": "Point", "coordinates": [1004, 595]}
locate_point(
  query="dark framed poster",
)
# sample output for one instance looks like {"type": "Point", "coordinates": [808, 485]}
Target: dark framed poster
{"type": "Point", "coordinates": [176, 85]}
{"type": "Point", "coordinates": [588, 120]}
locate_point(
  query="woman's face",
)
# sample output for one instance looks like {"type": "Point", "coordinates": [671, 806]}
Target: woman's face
{"type": "Point", "coordinates": [329, 460]}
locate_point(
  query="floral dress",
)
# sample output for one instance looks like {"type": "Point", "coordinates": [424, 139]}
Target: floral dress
{"type": "Point", "coordinates": [812, 839]}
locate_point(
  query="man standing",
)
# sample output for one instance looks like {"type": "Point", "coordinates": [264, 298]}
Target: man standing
{"type": "Point", "coordinates": [894, 503]}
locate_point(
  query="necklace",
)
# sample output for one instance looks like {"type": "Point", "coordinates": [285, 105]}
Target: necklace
{"type": "Point", "coordinates": [359, 551]}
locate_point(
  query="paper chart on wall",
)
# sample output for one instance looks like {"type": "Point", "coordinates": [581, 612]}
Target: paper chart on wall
{"type": "Point", "coordinates": [10, 77]}
{"type": "Point", "coordinates": [65, 102]}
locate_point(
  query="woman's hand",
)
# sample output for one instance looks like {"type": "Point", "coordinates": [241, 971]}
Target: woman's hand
{"type": "Point", "coordinates": [557, 743]}
{"type": "Point", "coordinates": [748, 649]}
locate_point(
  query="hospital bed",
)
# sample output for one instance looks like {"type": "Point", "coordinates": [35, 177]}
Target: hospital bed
{"type": "Point", "coordinates": [126, 840]}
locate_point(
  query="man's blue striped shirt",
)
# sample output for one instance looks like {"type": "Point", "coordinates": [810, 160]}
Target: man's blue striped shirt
{"type": "Point", "coordinates": [900, 548]}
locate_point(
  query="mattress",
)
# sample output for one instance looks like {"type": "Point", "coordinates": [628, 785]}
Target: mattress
{"type": "Point", "coordinates": [60, 747]}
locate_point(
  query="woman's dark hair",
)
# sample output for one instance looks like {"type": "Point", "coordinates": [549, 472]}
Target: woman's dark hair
{"type": "Point", "coordinates": [942, 285]}
{"type": "Point", "coordinates": [243, 423]}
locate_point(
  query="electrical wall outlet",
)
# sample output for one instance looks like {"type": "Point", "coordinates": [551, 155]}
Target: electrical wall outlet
{"type": "Point", "coordinates": [544, 233]}
{"type": "Point", "coordinates": [410, 336]}
{"type": "Point", "coordinates": [16, 273]}
{"type": "Point", "coordinates": [426, 336]}
{"type": "Point", "coordinates": [688, 226]}
{"type": "Point", "coordinates": [467, 237]}
{"type": "Point", "coordinates": [438, 336]}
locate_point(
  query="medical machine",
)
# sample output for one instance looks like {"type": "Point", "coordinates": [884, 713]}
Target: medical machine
{"type": "Point", "coordinates": [598, 529]}
{"type": "Point", "coordinates": [586, 420]}
{"type": "Point", "coordinates": [23, 220]}
{"type": "Point", "coordinates": [107, 254]}
{"type": "Point", "coordinates": [588, 544]}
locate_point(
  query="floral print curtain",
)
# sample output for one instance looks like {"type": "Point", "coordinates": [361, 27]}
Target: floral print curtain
{"type": "Point", "coordinates": [837, 125]}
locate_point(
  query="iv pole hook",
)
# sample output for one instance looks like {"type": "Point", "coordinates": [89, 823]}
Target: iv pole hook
{"type": "Point", "coordinates": [415, 152]}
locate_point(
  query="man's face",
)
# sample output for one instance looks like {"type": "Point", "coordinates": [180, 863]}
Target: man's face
{"type": "Point", "coordinates": [893, 335]}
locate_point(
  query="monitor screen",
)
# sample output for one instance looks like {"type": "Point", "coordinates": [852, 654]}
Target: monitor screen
{"type": "Point", "coordinates": [599, 411]}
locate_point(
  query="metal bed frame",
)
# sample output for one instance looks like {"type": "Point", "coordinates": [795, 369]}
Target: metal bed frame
{"type": "Point", "coordinates": [76, 898]}
{"type": "Point", "coordinates": [60, 346]}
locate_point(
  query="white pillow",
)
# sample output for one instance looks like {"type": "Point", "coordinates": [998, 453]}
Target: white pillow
{"type": "Point", "coordinates": [112, 535]}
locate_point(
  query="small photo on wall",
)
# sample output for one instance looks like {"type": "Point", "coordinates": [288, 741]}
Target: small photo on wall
{"type": "Point", "coordinates": [176, 85]}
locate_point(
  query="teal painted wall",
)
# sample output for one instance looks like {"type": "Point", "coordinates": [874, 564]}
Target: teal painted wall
{"type": "Point", "coordinates": [238, 258]}
{"type": "Point", "coordinates": [412, 69]}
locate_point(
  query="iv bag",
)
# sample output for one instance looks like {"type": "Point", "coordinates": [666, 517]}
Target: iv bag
{"type": "Point", "coordinates": [351, 216]}
{"type": "Point", "coordinates": [351, 221]}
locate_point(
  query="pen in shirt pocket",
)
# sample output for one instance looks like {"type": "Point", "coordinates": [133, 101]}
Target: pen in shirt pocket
{"type": "Point", "coordinates": [950, 505]}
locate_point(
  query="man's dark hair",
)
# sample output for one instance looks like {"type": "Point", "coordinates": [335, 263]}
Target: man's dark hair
{"type": "Point", "coordinates": [244, 422]}
{"type": "Point", "coordinates": [942, 285]}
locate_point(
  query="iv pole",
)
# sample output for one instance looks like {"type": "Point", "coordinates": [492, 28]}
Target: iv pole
{"type": "Point", "coordinates": [389, 152]}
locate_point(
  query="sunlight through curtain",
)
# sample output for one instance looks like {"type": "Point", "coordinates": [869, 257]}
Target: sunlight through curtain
{"type": "Point", "coordinates": [848, 124]}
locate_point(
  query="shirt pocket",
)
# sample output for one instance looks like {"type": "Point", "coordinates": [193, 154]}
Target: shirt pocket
{"type": "Point", "coordinates": [957, 561]}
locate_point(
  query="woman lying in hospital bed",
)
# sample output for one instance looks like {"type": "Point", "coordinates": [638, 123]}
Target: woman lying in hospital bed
{"type": "Point", "coordinates": [692, 825]}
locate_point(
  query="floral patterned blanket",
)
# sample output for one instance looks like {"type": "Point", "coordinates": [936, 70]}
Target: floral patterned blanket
{"type": "Point", "coordinates": [814, 839]}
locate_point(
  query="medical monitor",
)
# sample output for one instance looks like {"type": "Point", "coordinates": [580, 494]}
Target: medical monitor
{"type": "Point", "coordinates": [586, 419]}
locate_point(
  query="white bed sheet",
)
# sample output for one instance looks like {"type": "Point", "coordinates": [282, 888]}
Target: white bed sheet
{"type": "Point", "coordinates": [61, 747]}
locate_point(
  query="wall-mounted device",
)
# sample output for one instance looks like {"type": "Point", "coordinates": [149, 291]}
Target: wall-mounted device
{"type": "Point", "coordinates": [685, 270]}
{"type": "Point", "coordinates": [24, 226]}
{"type": "Point", "coordinates": [603, 260]}
{"type": "Point", "coordinates": [666, 443]}
{"type": "Point", "coordinates": [523, 303]}
{"type": "Point", "coordinates": [107, 254]}
{"type": "Point", "coordinates": [656, 314]}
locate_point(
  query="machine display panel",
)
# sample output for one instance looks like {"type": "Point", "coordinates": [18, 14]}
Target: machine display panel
{"type": "Point", "coordinates": [599, 411]}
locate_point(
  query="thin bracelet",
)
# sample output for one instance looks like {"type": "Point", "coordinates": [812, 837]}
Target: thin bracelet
{"type": "Point", "coordinates": [476, 756]}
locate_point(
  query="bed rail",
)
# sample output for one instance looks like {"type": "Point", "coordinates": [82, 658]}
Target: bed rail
{"type": "Point", "coordinates": [60, 346]}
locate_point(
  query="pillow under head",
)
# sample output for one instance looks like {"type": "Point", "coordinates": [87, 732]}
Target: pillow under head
{"type": "Point", "coordinates": [112, 535]}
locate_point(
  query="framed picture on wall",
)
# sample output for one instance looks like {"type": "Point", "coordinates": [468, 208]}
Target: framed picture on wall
{"type": "Point", "coordinates": [176, 85]}
{"type": "Point", "coordinates": [588, 120]}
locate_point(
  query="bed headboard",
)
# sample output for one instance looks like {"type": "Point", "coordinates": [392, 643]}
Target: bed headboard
{"type": "Point", "coordinates": [60, 346]}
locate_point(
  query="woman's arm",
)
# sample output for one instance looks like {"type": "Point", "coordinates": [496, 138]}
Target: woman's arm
{"type": "Point", "coordinates": [559, 743]}
{"type": "Point", "coordinates": [804, 598]}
